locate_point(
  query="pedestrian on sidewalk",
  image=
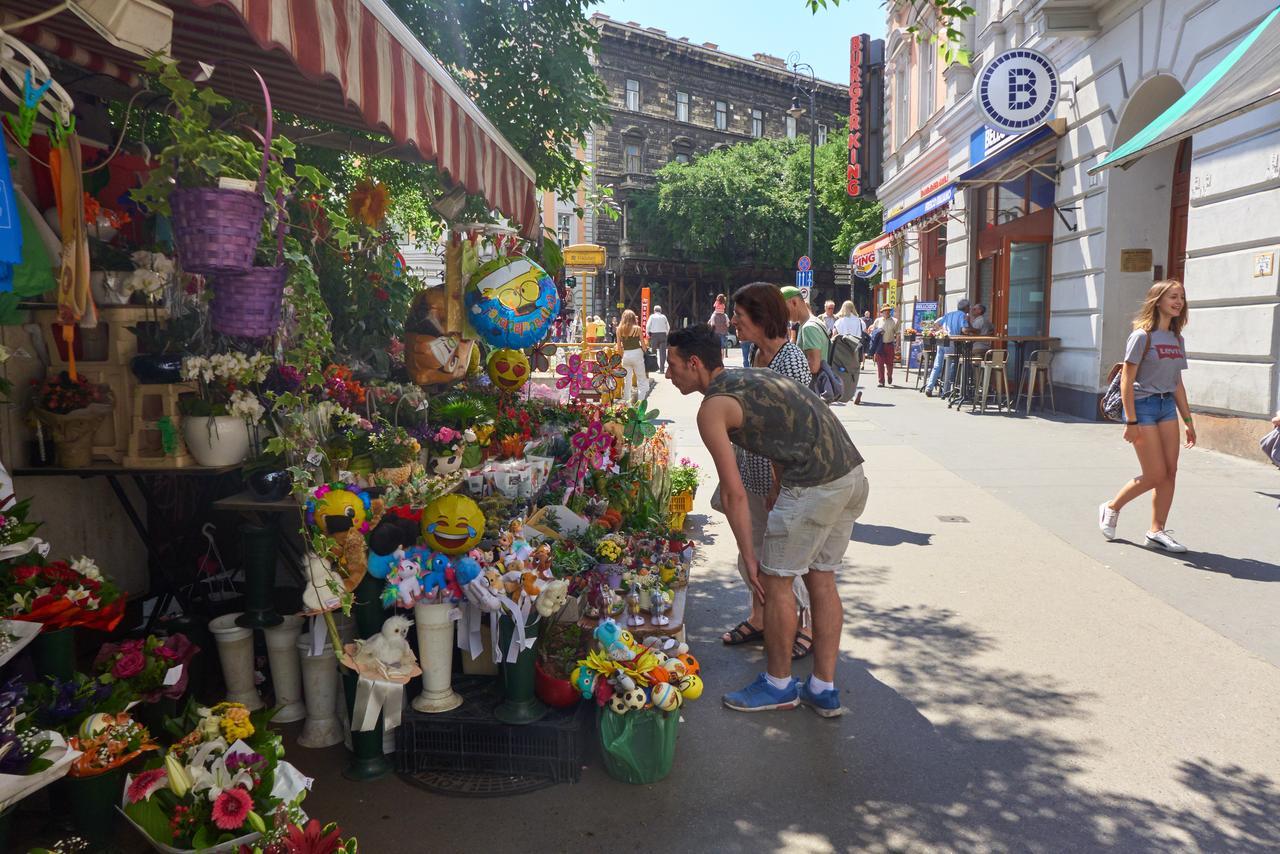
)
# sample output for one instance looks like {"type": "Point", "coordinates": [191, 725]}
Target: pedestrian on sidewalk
{"type": "Point", "coordinates": [719, 321]}
{"type": "Point", "coordinates": [631, 345]}
{"type": "Point", "coordinates": [953, 323]}
{"type": "Point", "coordinates": [658, 327]}
{"type": "Point", "coordinates": [820, 488]}
{"type": "Point", "coordinates": [761, 317]}
{"type": "Point", "coordinates": [1154, 396]}
{"type": "Point", "coordinates": [829, 316]}
{"type": "Point", "coordinates": [811, 335]}
{"type": "Point", "coordinates": [884, 354]}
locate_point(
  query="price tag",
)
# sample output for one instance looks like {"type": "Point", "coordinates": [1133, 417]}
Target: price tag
{"type": "Point", "coordinates": [315, 458]}
{"type": "Point", "coordinates": [172, 675]}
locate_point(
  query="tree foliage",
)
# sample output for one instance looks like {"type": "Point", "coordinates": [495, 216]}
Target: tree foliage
{"type": "Point", "coordinates": [747, 206]}
{"type": "Point", "coordinates": [938, 28]}
{"type": "Point", "coordinates": [527, 66]}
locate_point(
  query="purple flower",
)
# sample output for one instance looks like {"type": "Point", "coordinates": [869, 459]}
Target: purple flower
{"type": "Point", "coordinates": [238, 760]}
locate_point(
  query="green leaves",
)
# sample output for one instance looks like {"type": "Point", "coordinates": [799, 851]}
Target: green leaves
{"type": "Point", "coordinates": [936, 27]}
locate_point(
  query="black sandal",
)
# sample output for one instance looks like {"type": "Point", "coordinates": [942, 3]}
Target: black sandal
{"type": "Point", "coordinates": [799, 650]}
{"type": "Point", "coordinates": [742, 633]}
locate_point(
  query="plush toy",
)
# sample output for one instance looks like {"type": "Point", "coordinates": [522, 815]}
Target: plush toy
{"type": "Point", "coordinates": [584, 681]}
{"type": "Point", "coordinates": [323, 587]}
{"type": "Point", "coordinates": [404, 585]}
{"type": "Point", "coordinates": [388, 651]}
{"type": "Point", "coordinates": [554, 596]}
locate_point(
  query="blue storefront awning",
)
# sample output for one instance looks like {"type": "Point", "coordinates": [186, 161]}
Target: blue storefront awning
{"type": "Point", "coordinates": [939, 199]}
{"type": "Point", "coordinates": [984, 168]}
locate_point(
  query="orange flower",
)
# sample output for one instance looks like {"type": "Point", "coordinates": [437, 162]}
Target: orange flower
{"type": "Point", "coordinates": [368, 203]}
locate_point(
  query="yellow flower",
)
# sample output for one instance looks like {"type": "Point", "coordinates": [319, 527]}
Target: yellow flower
{"type": "Point", "coordinates": [235, 724]}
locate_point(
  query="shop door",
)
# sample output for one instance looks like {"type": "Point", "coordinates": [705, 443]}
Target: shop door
{"type": "Point", "coordinates": [1179, 205]}
{"type": "Point", "coordinates": [1022, 287]}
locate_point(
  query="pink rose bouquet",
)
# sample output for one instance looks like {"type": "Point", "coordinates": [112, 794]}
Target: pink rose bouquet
{"type": "Point", "coordinates": [145, 668]}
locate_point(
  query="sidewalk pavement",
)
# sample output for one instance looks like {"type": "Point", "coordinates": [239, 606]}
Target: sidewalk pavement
{"type": "Point", "coordinates": [1013, 681]}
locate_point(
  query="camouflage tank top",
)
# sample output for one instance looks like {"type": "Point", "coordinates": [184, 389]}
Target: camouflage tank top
{"type": "Point", "coordinates": [784, 422]}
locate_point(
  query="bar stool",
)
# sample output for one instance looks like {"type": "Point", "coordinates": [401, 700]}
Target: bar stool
{"type": "Point", "coordinates": [926, 365]}
{"type": "Point", "coordinates": [1037, 369]}
{"type": "Point", "coordinates": [994, 364]}
{"type": "Point", "coordinates": [952, 364]}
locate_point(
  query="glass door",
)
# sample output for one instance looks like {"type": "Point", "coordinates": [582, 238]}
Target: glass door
{"type": "Point", "coordinates": [1023, 293]}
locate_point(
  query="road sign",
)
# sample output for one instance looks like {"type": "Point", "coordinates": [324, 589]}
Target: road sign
{"type": "Point", "coordinates": [804, 279]}
{"type": "Point", "coordinates": [804, 264]}
{"type": "Point", "coordinates": [804, 294]}
{"type": "Point", "coordinates": [584, 255]}
{"type": "Point", "coordinates": [844, 274]}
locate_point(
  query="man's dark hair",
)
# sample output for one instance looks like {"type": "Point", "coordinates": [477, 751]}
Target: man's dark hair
{"type": "Point", "coordinates": [763, 303]}
{"type": "Point", "coordinates": [697, 340]}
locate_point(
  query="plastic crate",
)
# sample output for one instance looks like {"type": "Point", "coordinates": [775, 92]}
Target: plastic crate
{"type": "Point", "coordinates": [469, 738]}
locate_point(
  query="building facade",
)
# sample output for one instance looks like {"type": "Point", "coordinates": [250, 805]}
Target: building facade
{"type": "Point", "coordinates": [1022, 223]}
{"type": "Point", "coordinates": [672, 100]}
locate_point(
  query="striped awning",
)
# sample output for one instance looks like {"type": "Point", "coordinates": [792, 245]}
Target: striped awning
{"type": "Point", "coordinates": [349, 62]}
{"type": "Point", "coordinates": [1245, 79]}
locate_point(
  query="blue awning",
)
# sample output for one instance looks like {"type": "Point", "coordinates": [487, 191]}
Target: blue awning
{"type": "Point", "coordinates": [939, 199]}
{"type": "Point", "coordinates": [1022, 144]}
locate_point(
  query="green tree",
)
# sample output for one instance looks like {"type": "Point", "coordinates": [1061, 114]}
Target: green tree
{"type": "Point", "coordinates": [939, 27]}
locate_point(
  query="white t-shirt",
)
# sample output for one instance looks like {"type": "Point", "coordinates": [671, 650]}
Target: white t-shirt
{"type": "Point", "coordinates": [658, 323]}
{"type": "Point", "coordinates": [851, 325]}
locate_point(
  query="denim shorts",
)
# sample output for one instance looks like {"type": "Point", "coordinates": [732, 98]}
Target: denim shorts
{"type": "Point", "coordinates": [810, 527]}
{"type": "Point", "coordinates": [1156, 408]}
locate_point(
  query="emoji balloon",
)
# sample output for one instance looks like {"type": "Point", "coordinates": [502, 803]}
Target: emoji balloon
{"type": "Point", "coordinates": [452, 524]}
{"type": "Point", "coordinates": [511, 302]}
{"type": "Point", "coordinates": [509, 369]}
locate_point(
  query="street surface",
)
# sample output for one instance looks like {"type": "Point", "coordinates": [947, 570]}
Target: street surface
{"type": "Point", "coordinates": [1014, 682]}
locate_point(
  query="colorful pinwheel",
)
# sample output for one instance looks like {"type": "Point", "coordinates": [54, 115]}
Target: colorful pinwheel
{"type": "Point", "coordinates": [640, 423]}
{"type": "Point", "coordinates": [540, 357]}
{"type": "Point", "coordinates": [573, 375]}
{"type": "Point", "coordinates": [607, 374]}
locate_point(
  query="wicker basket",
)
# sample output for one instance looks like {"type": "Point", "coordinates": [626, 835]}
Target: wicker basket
{"type": "Point", "coordinates": [248, 304]}
{"type": "Point", "coordinates": [216, 231]}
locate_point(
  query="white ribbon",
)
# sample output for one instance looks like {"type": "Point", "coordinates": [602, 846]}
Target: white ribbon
{"type": "Point", "coordinates": [374, 697]}
{"type": "Point", "coordinates": [469, 639]}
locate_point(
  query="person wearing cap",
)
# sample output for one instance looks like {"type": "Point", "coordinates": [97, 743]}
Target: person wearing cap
{"type": "Point", "coordinates": [820, 491]}
{"type": "Point", "coordinates": [658, 327]}
{"type": "Point", "coordinates": [811, 336]}
{"type": "Point", "coordinates": [888, 326]}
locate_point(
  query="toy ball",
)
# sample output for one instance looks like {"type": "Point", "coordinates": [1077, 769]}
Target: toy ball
{"type": "Point", "coordinates": [452, 524]}
{"type": "Point", "coordinates": [336, 507]}
{"type": "Point", "coordinates": [675, 667]}
{"type": "Point", "coordinates": [665, 697]}
{"type": "Point", "coordinates": [690, 685]}
{"type": "Point", "coordinates": [95, 725]}
{"type": "Point", "coordinates": [509, 369]}
{"type": "Point", "coordinates": [511, 302]}
{"type": "Point", "coordinates": [690, 663]}
{"type": "Point", "coordinates": [634, 698]}
{"type": "Point", "coordinates": [618, 705]}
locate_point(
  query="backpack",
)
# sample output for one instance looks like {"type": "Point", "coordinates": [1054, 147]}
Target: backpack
{"type": "Point", "coordinates": [826, 383]}
{"type": "Point", "coordinates": [1112, 402]}
{"type": "Point", "coordinates": [845, 358]}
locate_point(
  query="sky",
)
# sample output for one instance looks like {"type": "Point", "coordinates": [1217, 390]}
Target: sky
{"type": "Point", "coordinates": [744, 27]}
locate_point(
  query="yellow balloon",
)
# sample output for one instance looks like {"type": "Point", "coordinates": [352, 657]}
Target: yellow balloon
{"type": "Point", "coordinates": [509, 369]}
{"type": "Point", "coordinates": [452, 524]}
{"type": "Point", "coordinates": [690, 686]}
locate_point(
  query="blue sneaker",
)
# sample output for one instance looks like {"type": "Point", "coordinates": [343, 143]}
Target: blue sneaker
{"type": "Point", "coordinates": [760, 696]}
{"type": "Point", "coordinates": [826, 704]}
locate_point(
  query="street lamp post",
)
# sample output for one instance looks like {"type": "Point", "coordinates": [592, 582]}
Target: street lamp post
{"type": "Point", "coordinates": [796, 111]}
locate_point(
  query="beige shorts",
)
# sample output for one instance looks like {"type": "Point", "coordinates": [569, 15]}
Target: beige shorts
{"type": "Point", "coordinates": [810, 527]}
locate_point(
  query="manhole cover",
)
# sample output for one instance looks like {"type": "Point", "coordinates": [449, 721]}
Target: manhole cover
{"type": "Point", "coordinates": [475, 784]}
{"type": "Point", "coordinates": [952, 519]}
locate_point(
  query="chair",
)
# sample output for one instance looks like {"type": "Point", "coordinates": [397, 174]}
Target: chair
{"type": "Point", "coordinates": [926, 365]}
{"type": "Point", "coordinates": [1038, 369]}
{"type": "Point", "coordinates": [951, 366]}
{"type": "Point", "coordinates": [993, 365]}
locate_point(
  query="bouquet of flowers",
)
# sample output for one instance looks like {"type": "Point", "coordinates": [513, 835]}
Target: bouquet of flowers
{"type": "Point", "coordinates": [216, 783]}
{"type": "Point", "coordinates": [63, 395]}
{"type": "Point", "coordinates": [227, 383]}
{"type": "Point", "coordinates": [16, 532]}
{"type": "Point", "coordinates": [62, 706]}
{"type": "Point", "coordinates": [30, 757]}
{"type": "Point", "coordinates": [62, 595]}
{"type": "Point", "coordinates": [107, 742]}
{"type": "Point", "coordinates": [147, 669]}
{"type": "Point", "coordinates": [292, 832]}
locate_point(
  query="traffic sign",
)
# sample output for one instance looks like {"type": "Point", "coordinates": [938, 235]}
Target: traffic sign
{"type": "Point", "coordinates": [804, 279]}
{"type": "Point", "coordinates": [844, 274]}
{"type": "Point", "coordinates": [804, 264]}
{"type": "Point", "coordinates": [804, 294]}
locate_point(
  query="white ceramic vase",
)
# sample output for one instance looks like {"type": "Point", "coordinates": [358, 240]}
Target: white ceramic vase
{"type": "Point", "coordinates": [235, 651]}
{"type": "Point", "coordinates": [435, 654]}
{"type": "Point", "coordinates": [320, 681]}
{"type": "Point", "coordinates": [218, 440]}
{"type": "Point", "coordinates": [286, 671]}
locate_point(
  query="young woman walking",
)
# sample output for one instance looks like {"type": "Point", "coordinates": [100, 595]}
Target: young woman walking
{"type": "Point", "coordinates": [1154, 398]}
{"type": "Point", "coordinates": [761, 315]}
{"type": "Point", "coordinates": [631, 345]}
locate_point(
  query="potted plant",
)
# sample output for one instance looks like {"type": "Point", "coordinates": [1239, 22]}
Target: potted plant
{"type": "Point", "coordinates": [216, 422]}
{"type": "Point", "coordinates": [71, 410]}
{"type": "Point", "coordinates": [684, 485]}
{"type": "Point", "coordinates": [447, 446]}
{"type": "Point", "coordinates": [393, 452]}
{"type": "Point", "coordinates": [559, 649]}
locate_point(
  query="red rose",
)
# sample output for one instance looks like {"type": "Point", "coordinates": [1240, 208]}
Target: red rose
{"type": "Point", "coordinates": [25, 573]}
{"type": "Point", "coordinates": [129, 664]}
{"type": "Point", "coordinates": [381, 294]}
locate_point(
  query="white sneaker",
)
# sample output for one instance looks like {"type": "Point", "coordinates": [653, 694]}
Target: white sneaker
{"type": "Point", "coordinates": [1164, 540]}
{"type": "Point", "coordinates": [1107, 519]}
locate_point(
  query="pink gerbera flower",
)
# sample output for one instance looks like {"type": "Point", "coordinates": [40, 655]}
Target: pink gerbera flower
{"type": "Point", "coordinates": [232, 808]}
{"type": "Point", "coordinates": [146, 784]}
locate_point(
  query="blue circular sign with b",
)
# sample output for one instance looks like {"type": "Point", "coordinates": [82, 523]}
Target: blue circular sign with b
{"type": "Point", "coordinates": [1017, 91]}
{"type": "Point", "coordinates": [804, 264]}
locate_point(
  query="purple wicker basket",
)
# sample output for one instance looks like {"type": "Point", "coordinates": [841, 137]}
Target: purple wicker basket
{"type": "Point", "coordinates": [248, 304]}
{"type": "Point", "coordinates": [216, 231]}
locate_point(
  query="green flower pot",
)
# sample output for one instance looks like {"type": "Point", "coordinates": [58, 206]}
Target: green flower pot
{"type": "Point", "coordinates": [55, 653]}
{"type": "Point", "coordinates": [91, 803]}
{"type": "Point", "coordinates": [260, 578]}
{"type": "Point", "coordinates": [520, 704]}
{"type": "Point", "coordinates": [368, 762]}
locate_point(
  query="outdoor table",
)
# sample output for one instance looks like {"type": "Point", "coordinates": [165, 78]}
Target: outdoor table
{"type": "Point", "coordinates": [963, 388]}
{"type": "Point", "coordinates": [673, 629]}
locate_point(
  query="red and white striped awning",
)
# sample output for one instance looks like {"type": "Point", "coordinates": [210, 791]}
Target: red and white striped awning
{"type": "Point", "coordinates": [350, 62]}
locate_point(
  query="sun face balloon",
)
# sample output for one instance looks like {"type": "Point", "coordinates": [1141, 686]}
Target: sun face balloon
{"type": "Point", "coordinates": [509, 369]}
{"type": "Point", "coordinates": [336, 507]}
{"type": "Point", "coordinates": [512, 302]}
{"type": "Point", "coordinates": [452, 524]}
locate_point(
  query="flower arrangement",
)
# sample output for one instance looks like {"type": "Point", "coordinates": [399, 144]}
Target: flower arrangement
{"type": "Point", "coordinates": [444, 440]}
{"type": "Point", "coordinates": [16, 533]}
{"type": "Point", "coordinates": [98, 216]}
{"type": "Point", "coordinates": [61, 705]}
{"type": "Point", "coordinates": [61, 595]}
{"type": "Point", "coordinates": [227, 383]}
{"type": "Point", "coordinates": [216, 783]}
{"type": "Point", "coordinates": [108, 742]}
{"type": "Point", "coordinates": [391, 447]}
{"type": "Point", "coordinates": [292, 832]}
{"type": "Point", "coordinates": [143, 666]}
{"type": "Point", "coordinates": [684, 477]}
{"type": "Point", "coordinates": [152, 273]}
{"type": "Point", "coordinates": [63, 395]}
{"type": "Point", "coordinates": [22, 743]}
{"type": "Point", "coordinates": [341, 387]}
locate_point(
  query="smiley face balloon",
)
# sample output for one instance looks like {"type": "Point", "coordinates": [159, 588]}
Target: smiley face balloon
{"type": "Point", "coordinates": [452, 524]}
{"type": "Point", "coordinates": [336, 507]}
{"type": "Point", "coordinates": [511, 302]}
{"type": "Point", "coordinates": [509, 369]}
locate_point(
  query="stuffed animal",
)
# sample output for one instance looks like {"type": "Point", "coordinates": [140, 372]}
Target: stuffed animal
{"type": "Point", "coordinates": [323, 586]}
{"type": "Point", "coordinates": [388, 651]}
{"type": "Point", "coordinates": [404, 585]}
{"type": "Point", "coordinates": [584, 680]}
{"type": "Point", "coordinates": [554, 596]}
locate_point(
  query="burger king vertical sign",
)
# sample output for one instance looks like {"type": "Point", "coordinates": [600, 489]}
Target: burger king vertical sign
{"type": "Point", "coordinates": [857, 52]}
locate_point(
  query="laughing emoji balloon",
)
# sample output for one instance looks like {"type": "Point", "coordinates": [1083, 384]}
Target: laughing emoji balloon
{"type": "Point", "coordinates": [452, 524]}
